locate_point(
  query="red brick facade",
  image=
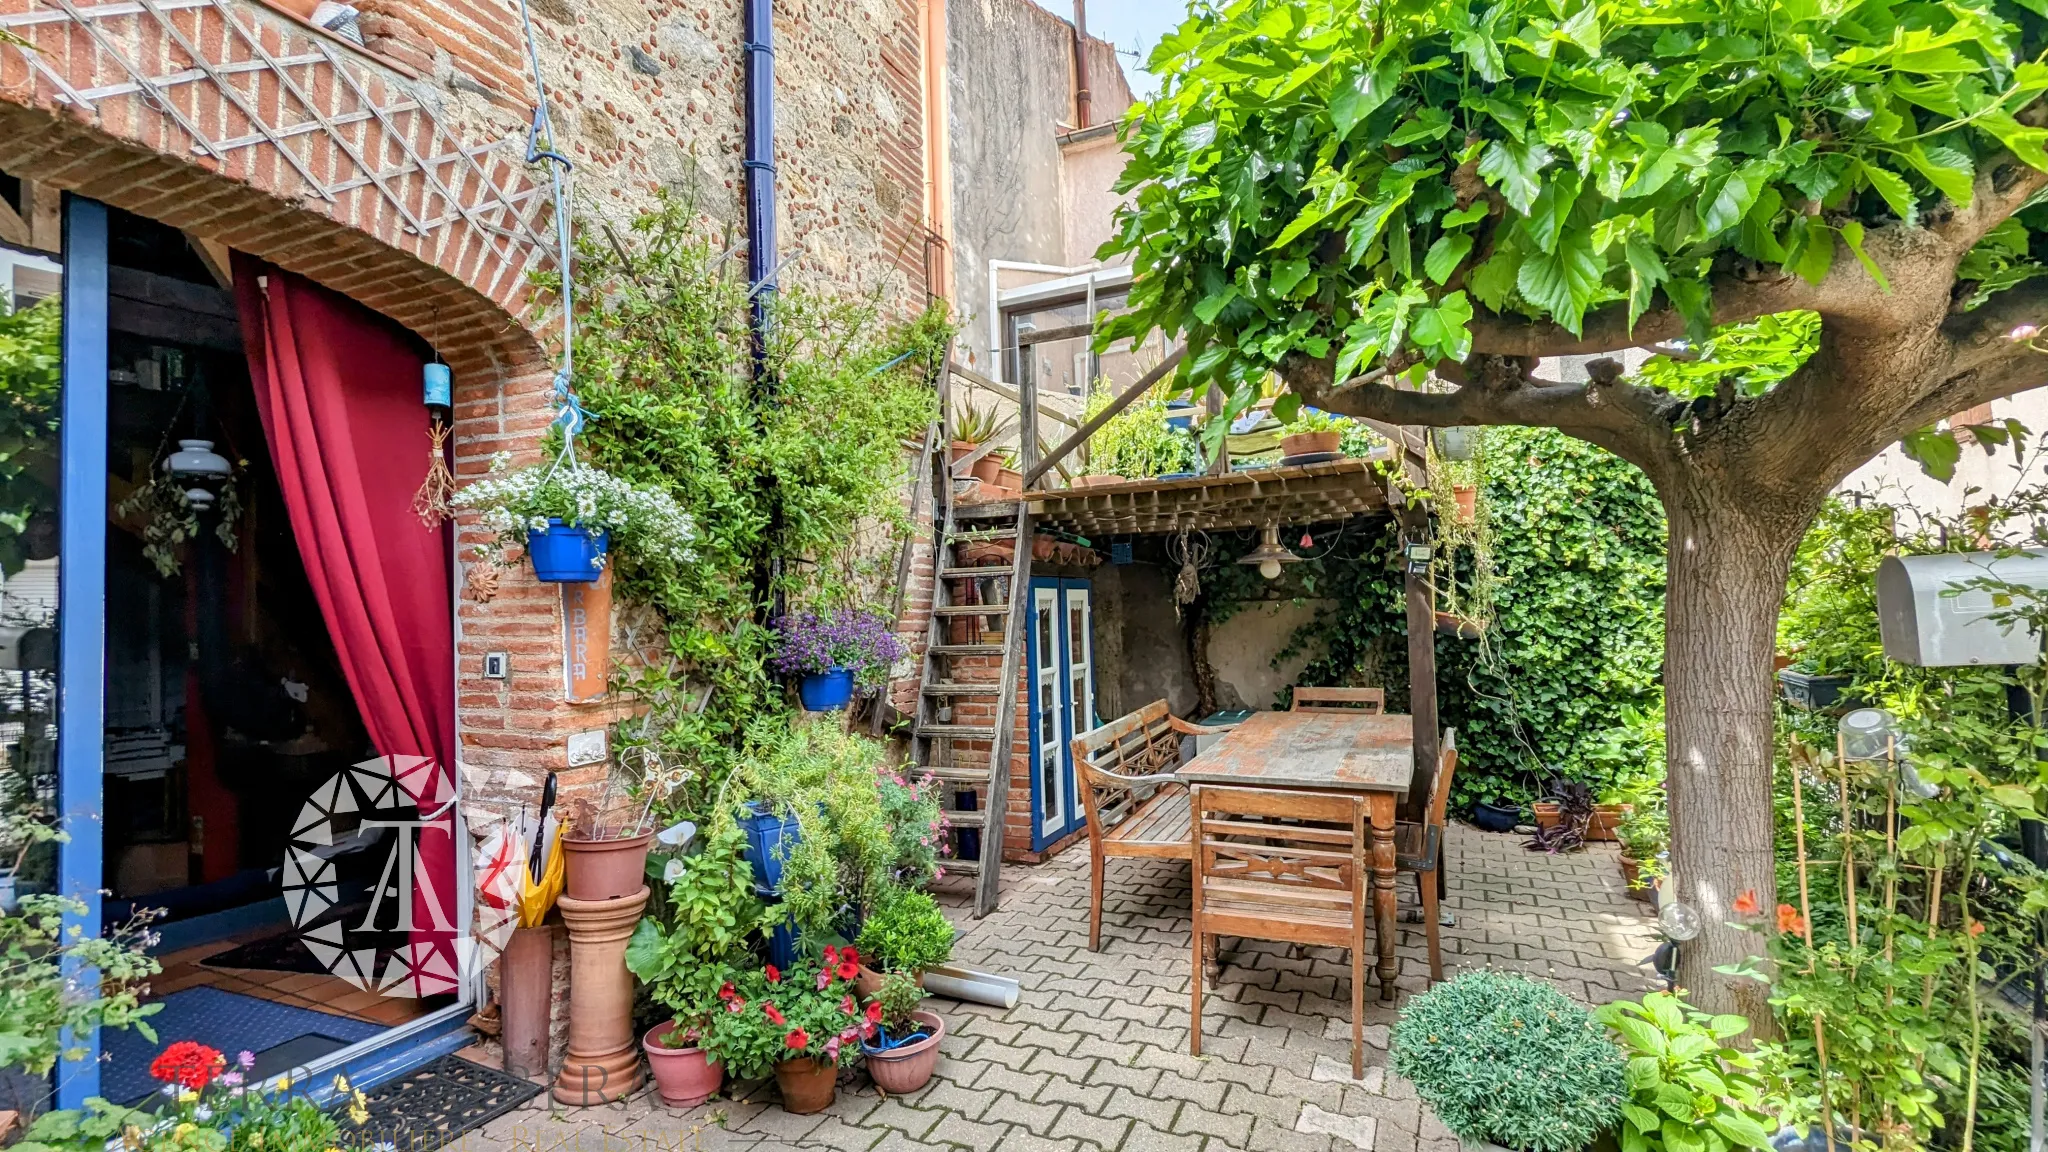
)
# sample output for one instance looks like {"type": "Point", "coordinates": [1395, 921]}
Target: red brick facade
{"type": "Point", "coordinates": [394, 172]}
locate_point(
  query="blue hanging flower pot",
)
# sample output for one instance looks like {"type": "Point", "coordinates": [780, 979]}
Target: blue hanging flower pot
{"type": "Point", "coordinates": [564, 554]}
{"type": "Point", "coordinates": [826, 691]}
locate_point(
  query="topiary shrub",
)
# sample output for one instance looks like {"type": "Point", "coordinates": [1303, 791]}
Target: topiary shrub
{"type": "Point", "coordinates": [1505, 1058]}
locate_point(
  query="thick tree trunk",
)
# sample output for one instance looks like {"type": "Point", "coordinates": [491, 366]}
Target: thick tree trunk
{"type": "Point", "coordinates": [1730, 553]}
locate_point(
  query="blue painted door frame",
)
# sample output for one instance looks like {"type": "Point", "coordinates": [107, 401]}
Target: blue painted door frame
{"type": "Point", "coordinates": [81, 595]}
{"type": "Point", "coordinates": [1044, 831]}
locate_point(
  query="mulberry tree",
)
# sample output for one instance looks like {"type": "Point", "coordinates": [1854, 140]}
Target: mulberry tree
{"type": "Point", "coordinates": [1399, 207]}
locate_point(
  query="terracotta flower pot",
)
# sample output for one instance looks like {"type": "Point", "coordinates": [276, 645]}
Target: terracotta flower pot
{"type": "Point", "coordinates": [1549, 814]}
{"type": "Point", "coordinates": [1094, 481]}
{"type": "Point", "coordinates": [1043, 546]}
{"type": "Point", "coordinates": [985, 469]}
{"type": "Point", "coordinates": [1606, 819]}
{"type": "Point", "coordinates": [685, 1076]}
{"type": "Point", "coordinates": [606, 869]}
{"type": "Point", "coordinates": [1310, 443]}
{"type": "Point", "coordinates": [807, 1086]}
{"type": "Point", "coordinates": [869, 983]}
{"type": "Point", "coordinates": [985, 553]}
{"type": "Point", "coordinates": [1631, 874]}
{"type": "Point", "coordinates": [1467, 499]}
{"type": "Point", "coordinates": [910, 1067]}
{"type": "Point", "coordinates": [1010, 480]}
{"type": "Point", "coordinates": [962, 449]}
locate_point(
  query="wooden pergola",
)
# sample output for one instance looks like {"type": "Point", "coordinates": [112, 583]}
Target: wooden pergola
{"type": "Point", "coordinates": [1300, 495]}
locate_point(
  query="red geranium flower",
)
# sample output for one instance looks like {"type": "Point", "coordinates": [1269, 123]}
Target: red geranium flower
{"type": "Point", "coordinates": [188, 1064]}
{"type": "Point", "coordinates": [1789, 920]}
{"type": "Point", "coordinates": [874, 1011]}
{"type": "Point", "coordinates": [1746, 904]}
{"type": "Point", "coordinates": [831, 956]}
{"type": "Point", "coordinates": [797, 1039]}
{"type": "Point", "coordinates": [774, 1014]}
{"type": "Point", "coordinates": [727, 992]}
{"type": "Point", "coordinates": [848, 969]}
{"type": "Point", "coordinates": [774, 974]}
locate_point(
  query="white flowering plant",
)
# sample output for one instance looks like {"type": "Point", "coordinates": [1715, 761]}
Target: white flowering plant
{"type": "Point", "coordinates": [645, 524]}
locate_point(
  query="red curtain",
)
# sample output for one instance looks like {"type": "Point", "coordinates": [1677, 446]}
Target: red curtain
{"type": "Point", "coordinates": [339, 390]}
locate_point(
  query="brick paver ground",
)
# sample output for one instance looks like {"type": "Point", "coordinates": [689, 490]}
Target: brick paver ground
{"type": "Point", "coordinates": [1094, 1056]}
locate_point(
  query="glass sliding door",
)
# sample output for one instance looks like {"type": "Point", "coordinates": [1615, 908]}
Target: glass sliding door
{"type": "Point", "coordinates": [1062, 702]}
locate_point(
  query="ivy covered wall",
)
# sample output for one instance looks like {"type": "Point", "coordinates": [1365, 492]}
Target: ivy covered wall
{"type": "Point", "coordinates": [1565, 679]}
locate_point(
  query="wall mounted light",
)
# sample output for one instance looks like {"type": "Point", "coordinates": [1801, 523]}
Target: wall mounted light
{"type": "Point", "coordinates": [1419, 555]}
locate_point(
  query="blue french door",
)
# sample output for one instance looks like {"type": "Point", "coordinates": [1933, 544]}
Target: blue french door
{"type": "Point", "coordinates": [1061, 676]}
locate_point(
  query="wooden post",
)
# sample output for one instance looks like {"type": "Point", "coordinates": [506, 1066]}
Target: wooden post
{"type": "Point", "coordinates": [1421, 675]}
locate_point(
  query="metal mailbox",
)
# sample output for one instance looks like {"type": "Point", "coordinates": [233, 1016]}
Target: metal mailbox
{"type": "Point", "coordinates": [1929, 617]}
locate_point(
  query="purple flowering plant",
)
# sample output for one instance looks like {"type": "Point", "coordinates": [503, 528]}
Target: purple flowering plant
{"type": "Point", "coordinates": [809, 644]}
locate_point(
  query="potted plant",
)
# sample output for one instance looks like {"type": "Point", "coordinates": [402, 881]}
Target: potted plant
{"type": "Point", "coordinates": [972, 428]}
{"type": "Point", "coordinates": [1561, 819]}
{"type": "Point", "coordinates": [1145, 439]}
{"type": "Point", "coordinates": [1613, 807]}
{"type": "Point", "coordinates": [684, 959]}
{"type": "Point", "coordinates": [906, 931]}
{"type": "Point", "coordinates": [1493, 816]}
{"type": "Point", "coordinates": [832, 657]}
{"type": "Point", "coordinates": [801, 1025]}
{"type": "Point", "coordinates": [1007, 478]}
{"type": "Point", "coordinates": [1644, 834]}
{"type": "Point", "coordinates": [571, 516]}
{"type": "Point", "coordinates": [1684, 1063]}
{"type": "Point", "coordinates": [1312, 432]}
{"type": "Point", "coordinates": [1501, 1057]}
{"type": "Point", "coordinates": [902, 1049]}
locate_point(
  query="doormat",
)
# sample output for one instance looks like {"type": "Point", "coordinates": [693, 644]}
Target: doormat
{"type": "Point", "coordinates": [431, 1107]}
{"type": "Point", "coordinates": [227, 1021]}
{"type": "Point", "coordinates": [284, 952]}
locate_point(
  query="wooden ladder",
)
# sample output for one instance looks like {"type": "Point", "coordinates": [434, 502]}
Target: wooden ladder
{"type": "Point", "coordinates": [958, 680]}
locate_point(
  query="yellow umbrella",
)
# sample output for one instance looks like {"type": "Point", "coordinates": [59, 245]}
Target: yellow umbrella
{"type": "Point", "coordinates": [536, 898]}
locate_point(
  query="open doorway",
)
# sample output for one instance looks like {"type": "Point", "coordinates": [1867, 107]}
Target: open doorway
{"type": "Point", "coordinates": [227, 707]}
{"type": "Point", "coordinates": [221, 708]}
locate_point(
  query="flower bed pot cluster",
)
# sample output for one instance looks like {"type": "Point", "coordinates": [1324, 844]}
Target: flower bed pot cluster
{"type": "Point", "coordinates": [792, 941]}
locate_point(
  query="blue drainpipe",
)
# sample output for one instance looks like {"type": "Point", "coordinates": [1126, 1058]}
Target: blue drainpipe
{"type": "Point", "coordinates": [760, 169]}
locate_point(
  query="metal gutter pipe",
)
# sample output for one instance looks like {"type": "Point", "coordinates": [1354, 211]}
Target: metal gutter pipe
{"type": "Point", "coordinates": [759, 167]}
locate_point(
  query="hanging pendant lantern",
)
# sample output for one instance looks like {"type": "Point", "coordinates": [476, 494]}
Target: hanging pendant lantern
{"type": "Point", "coordinates": [194, 466]}
{"type": "Point", "coordinates": [1270, 554]}
{"type": "Point", "coordinates": [439, 386]}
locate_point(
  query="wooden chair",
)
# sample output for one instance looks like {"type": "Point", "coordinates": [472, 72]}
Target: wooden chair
{"type": "Point", "coordinates": [1295, 883]}
{"type": "Point", "coordinates": [1419, 848]}
{"type": "Point", "coordinates": [1136, 807]}
{"type": "Point", "coordinates": [1371, 701]}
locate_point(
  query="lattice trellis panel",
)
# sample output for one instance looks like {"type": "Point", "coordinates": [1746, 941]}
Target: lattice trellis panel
{"type": "Point", "coordinates": [235, 80]}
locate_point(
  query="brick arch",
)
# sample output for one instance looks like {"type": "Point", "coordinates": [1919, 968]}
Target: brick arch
{"type": "Point", "coordinates": [242, 125]}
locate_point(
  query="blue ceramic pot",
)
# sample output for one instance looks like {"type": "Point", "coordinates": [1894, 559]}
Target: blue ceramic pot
{"type": "Point", "coordinates": [566, 555]}
{"type": "Point", "coordinates": [827, 691]}
{"type": "Point", "coordinates": [770, 840]}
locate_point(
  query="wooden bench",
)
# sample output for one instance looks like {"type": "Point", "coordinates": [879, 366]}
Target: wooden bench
{"type": "Point", "coordinates": [1372, 701]}
{"type": "Point", "coordinates": [1136, 807]}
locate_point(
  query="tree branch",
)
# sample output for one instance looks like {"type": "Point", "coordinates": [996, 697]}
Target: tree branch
{"type": "Point", "coordinates": [1606, 411]}
{"type": "Point", "coordinates": [1737, 296]}
{"type": "Point", "coordinates": [1982, 335]}
{"type": "Point", "coordinates": [2002, 186]}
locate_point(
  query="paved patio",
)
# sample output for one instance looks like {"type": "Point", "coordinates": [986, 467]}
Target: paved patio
{"type": "Point", "coordinates": [1094, 1057]}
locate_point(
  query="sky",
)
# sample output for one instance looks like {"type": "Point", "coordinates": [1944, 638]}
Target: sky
{"type": "Point", "coordinates": [1134, 26]}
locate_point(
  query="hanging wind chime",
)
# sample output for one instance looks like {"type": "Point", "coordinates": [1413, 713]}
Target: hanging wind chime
{"type": "Point", "coordinates": [433, 503]}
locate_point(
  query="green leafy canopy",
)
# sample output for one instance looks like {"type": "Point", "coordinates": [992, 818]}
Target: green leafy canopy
{"type": "Point", "coordinates": [1363, 179]}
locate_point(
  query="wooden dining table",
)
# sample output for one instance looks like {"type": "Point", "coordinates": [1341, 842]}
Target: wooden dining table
{"type": "Point", "coordinates": [1307, 752]}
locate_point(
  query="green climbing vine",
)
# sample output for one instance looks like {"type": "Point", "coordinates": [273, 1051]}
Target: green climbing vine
{"type": "Point", "coordinates": [1571, 660]}
{"type": "Point", "coordinates": [795, 478]}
